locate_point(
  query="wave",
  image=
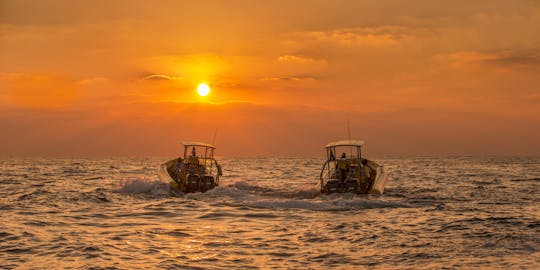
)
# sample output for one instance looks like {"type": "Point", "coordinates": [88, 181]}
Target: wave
{"type": "Point", "coordinates": [33, 194]}
{"type": "Point", "coordinates": [244, 194]}
{"type": "Point", "coordinates": [303, 192]}
{"type": "Point", "coordinates": [309, 198]}
{"type": "Point", "coordinates": [144, 186]}
{"type": "Point", "coordinates": [336, 204]}
{"type": "Point", "coordinates": [534, 179]}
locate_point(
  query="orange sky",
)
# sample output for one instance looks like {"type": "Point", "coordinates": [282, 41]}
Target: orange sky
{"type": "Point", "coordinates": [115, 78]}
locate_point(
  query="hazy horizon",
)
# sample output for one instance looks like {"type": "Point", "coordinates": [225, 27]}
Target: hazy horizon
{"type": "Point", "coordinates": [321, 156]}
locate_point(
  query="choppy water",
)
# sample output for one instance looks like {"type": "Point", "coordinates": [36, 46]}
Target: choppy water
{"type": "Point", "coordinates": [115, 214]}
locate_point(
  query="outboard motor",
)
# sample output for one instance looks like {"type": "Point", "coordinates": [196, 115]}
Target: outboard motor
{"type": "Point", "coordinates": [192, 183]}
{"type": "Point", "coordinates": [351, 185]}
{"type": "Point", "coordinates": [207, 183]}
{"type": "Point", "coordinates": [333, 185]}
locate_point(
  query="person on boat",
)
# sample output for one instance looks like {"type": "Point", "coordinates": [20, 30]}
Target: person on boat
{"type": "Point", "coordinates": [366, 176]}
{"type": "Point", "coordinates": [342, 166]}
{"type": "Point", "coordinates": [365, 169]}
{"type": "Point", "coordinates": [332, 156]}
{"type": "Point", "coordinates": [193, 159]}
{"type": "Point", "coordinates": [178, 169]}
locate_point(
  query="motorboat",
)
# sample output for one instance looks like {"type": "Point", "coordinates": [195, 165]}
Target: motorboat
{"type": "Point", "coordinates": [195, 171]}
{"type": "Point", "coordinates": [351, 172]}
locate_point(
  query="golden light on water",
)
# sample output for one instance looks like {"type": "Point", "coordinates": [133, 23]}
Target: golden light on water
{"type": "Point", "coordinates": [203, 89]}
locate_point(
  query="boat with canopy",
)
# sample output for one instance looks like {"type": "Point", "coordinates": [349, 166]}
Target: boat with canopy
{"type": "Point", "coordinates": [196, 171]}
{"type": "Point", "coordinates": [351, 172]}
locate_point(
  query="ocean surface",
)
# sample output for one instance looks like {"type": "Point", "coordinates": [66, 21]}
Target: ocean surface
{"type": "Point", "coordinates": [436, 213]}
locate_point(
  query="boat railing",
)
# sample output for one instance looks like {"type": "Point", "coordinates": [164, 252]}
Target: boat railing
{"type": "Point", "coordinates": [329, 173]}
{"type": "Point", "coordinates": [206, 166]}
{"type": "Point", "coordinates": [326, 172]}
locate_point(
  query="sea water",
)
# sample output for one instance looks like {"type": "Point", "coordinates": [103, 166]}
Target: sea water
{"type": "Point", "coordinates": [436, 213]}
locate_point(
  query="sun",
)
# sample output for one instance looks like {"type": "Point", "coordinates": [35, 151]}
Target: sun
{"type": "Point", "coordinates": [203, 89]}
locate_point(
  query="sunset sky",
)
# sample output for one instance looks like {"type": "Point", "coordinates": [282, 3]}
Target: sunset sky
{"type": "Point", "coordinates": [119, 78]}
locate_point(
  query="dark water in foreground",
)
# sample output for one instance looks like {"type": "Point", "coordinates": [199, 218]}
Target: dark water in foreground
{"type": "Point", "coordinates": [115, 214]}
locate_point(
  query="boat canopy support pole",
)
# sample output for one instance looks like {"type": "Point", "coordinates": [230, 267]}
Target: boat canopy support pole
{"type": "Point", "coordinates": [211, 160]}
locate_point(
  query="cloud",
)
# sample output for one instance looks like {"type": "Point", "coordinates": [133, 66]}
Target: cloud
{"type": "Point", "coordinates": [92, 81]}
{"type": "Point", "coordinates": [468, 60]}
{"type": "Point", "coordinates": [161, 77]}
{"type": "Point", "coordinates": [292, 78]}
{"type": "Point", "coordinates": [298, 59]}
{"type": "Point", "coordinates": [514, 59]}
{"type": "Point", "coordinates": [243, 130]}
{"type": "Point", "coordinates": [8, 76]}
{"type": "Point", "coordinates": [36, 90]}
{"type": "Point", "coordinates": [361, 36]}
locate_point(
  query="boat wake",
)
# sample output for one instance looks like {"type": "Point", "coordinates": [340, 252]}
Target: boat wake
{"type": "Point", "coordinates": [243, 194]}
{"type": "Point", "coordinates": [301, 192]}
{"type": "Point", "coordinates": [143, 186]}
{"type": "Point", "coordinates": [333, 204]}
{"type": "Point", "coordinates": [308, 198]}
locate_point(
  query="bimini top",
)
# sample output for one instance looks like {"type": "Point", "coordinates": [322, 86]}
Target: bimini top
{"type": "Point", "coordinates": [345, 143]}
{"type": "Point", "coordinates": [198, 144]}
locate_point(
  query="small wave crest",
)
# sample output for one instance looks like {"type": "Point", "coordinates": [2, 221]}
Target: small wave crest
{"type": "Point", "coordinates": [335, 204]}
{"type": "Point", "coordinates": [306, 192]}
{"type": "Point", "coordinates": [242, 193]}
{"type": "Point", "coordinates": [533, 179]}
{"type": "Point", "coordinates": [245, 194]}
{"type": "Point", "coordinates": [143, 186]}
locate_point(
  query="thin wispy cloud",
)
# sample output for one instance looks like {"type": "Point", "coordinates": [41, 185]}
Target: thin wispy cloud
{"type": "Point", "coordinates": [290, 79]}
{"type": "Point", "coordinates": [161, 77]}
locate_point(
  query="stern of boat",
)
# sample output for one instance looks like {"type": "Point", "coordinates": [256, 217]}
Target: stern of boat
{"type": "Point", "coordinates": [381, 176]}
{"type": "Point", "coordinates": [165, 170]}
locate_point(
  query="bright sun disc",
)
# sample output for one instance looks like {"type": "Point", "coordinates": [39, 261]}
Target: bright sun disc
{"type": "Point", "coordinates": [203, 89]}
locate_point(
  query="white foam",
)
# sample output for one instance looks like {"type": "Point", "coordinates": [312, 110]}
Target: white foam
{"type": "Point", "coordinates": [244, 194]}
{"type": "Point", "coordinates": [340, 204]}
{"type": "Point", "coordinates": [298, 192]}
{"type": "Point", "coordinates": [144, 186]}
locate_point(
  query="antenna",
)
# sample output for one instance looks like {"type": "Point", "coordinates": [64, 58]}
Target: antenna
{"type": "Point", "coordinates": [215, 134]}
{"type": "Point", "coordinates": [212, 151]}
{"type": "Point", "coordinates": [349, 134]}
{"type": "Point", "coordinates": [349, 130]}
